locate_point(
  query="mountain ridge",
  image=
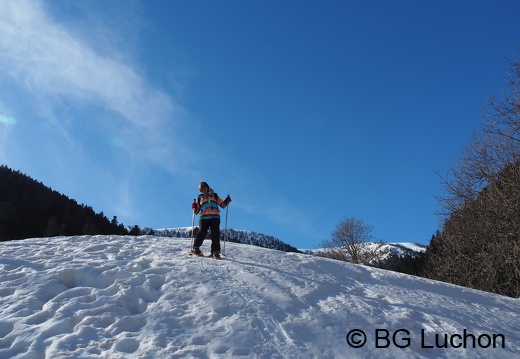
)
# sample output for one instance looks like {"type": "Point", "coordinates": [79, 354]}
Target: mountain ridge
{"type": "Point", "coordinates": [230, 235]}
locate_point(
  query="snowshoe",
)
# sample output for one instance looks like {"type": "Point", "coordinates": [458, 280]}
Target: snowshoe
{"type": "Point", "coordinates": [215, 255]}
{"type": "Point", "coordinates": [196, 252]}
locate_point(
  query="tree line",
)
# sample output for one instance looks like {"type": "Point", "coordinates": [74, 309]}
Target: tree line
{"type": "Point", "coordinates": [30, 209]}
{"type": "Point", "coordinates": [478, 245]}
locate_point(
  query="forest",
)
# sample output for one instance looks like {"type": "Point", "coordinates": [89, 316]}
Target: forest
{"type": "Point", "coordinates": [29, 209]}
{"type": "Point", "coordinates": [479, 244]}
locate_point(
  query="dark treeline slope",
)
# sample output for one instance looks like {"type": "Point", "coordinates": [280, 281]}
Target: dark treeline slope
{"type": "Point", "coordinates": [28, 209]}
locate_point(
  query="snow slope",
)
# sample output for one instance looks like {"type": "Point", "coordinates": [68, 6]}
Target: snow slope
{"type": "Point", "coordinates": [143, 297]}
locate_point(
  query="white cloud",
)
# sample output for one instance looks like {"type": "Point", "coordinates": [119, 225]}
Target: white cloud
{"type": "Point", "coordinates": [93, 100]}
{"type": "Point", "coordinates": [89, 121]}
{"type": "Point", "coordinates": [58, 66]}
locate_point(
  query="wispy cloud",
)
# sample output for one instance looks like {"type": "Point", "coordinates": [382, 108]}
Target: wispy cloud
{"type": "Point", "coordinates": [87, 116]}
{"type": "Point", "coordinates": [55, 65]}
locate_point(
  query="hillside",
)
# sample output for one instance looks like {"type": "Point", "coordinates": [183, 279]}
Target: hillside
{"type": "Point", "coordinates": [28, 209]}
{"type": "Point", "coordinates": [143, 297]}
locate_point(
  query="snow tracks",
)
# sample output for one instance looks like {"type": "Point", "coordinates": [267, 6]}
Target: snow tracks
{"type": "Point", "coordinates": [144, 297]}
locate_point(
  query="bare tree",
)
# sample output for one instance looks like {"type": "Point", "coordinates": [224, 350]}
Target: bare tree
{"type": "Point", "coordinates": [479, 244]}
{"type": "Point", "coordinates": [348, 241]}
{"type": "Point", "coordinates": [490, 151]}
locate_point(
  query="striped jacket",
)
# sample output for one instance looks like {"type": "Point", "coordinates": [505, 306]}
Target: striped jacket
{"type": "Point", "coordinates": [208, 205]}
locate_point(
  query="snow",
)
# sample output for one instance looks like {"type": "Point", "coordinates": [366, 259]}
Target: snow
{"type": "Point", "coordinates": [385, 249]}
{"type": "Point", "coordinates": [144, 297]}
{"type": "Point", "coordinates": [411, 246]}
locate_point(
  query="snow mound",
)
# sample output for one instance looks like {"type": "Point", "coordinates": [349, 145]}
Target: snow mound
{"type": "Point", "coordinates": [144, 297]}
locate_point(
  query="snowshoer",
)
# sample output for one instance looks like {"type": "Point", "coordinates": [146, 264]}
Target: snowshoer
{"type": "Point", "coordinates": [207, 204]}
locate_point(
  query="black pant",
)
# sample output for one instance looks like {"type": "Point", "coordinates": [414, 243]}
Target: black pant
{"type": "Point", "coordinates": [204, 225]}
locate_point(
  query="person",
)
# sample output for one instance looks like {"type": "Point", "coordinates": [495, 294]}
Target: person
{"type": "Point", "coordinates": [207, 204]}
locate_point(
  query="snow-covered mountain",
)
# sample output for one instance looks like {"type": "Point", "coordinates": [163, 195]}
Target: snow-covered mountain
{"type": "Point", "coordinates": [144, 297]}
{"type": "Point", "coordinates": [385, 249]}
{"type": "Point", "coordinates": [266, 241]}
{"type": "Point", "coordinates": [230, 235]}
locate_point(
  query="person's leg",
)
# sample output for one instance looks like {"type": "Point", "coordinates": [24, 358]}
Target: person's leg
{"type": "Point", "coordinates": [215, 235]}
{"type": "Point", "coordinates": [203, 230]}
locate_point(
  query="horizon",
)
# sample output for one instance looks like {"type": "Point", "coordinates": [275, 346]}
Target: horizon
{"type": "Point", "coordinates": [305, 114]}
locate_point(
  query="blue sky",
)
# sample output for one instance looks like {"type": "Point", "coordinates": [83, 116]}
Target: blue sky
{"type": "Point", "coordinates": [305, 112]}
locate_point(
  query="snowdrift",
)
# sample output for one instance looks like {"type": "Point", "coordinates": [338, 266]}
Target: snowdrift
{"type": "Point", "coordinates": [144, 297]}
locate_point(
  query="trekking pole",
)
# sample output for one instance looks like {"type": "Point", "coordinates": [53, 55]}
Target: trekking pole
{"type": "Point", "coordinates": [225, 231]}
{"type": "Point", "coordinates": [192, 224]}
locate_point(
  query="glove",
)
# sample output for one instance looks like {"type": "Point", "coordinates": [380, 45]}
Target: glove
{"type": "Point", "coordinates": [195, 206]}
{"type": "Point", "coordinates": [227, 200]}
